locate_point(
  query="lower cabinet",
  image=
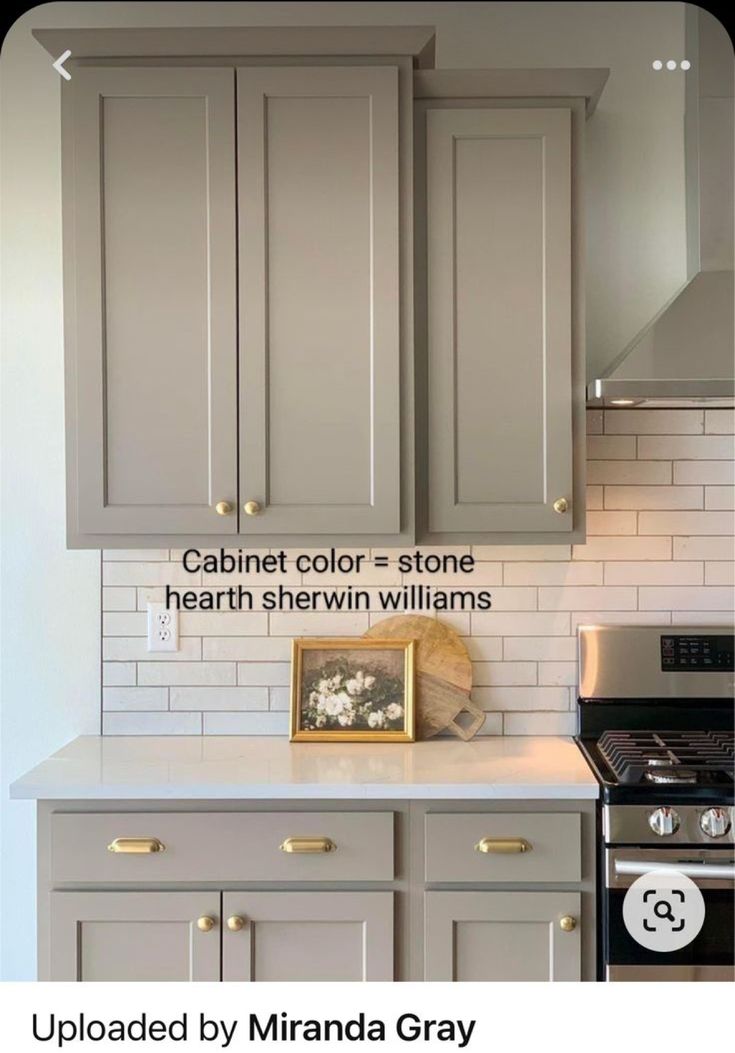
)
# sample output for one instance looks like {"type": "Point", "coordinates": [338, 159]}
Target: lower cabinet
{"type": "Point", "coordinates": [254, 935]}
{"type": "Point", "coordinates": [308, 936]}
{"type": "Point", "coordinates": [502, 936]}
{"type": "Point", "coordinates": [134, 936]}
{"type": "Point", "coordinates": [390, 890]}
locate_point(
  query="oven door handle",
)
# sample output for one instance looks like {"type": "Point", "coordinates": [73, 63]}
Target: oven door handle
{"type": "Point", "coordinates": [636, 867]}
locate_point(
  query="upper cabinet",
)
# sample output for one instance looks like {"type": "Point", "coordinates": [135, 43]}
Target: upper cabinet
{"type": "Point", "coordinates": [315, 294]}
{"type": "Point", "coordinates": [150, 300]}
{"type": "Point", "coordinates": [318, 200]}
{"type": "Point", "coordinates": [499, 309]}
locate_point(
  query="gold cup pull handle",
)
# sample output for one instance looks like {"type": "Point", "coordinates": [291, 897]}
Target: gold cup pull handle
{"type": "Point", "coordinates": [503, 845]}
{"type": "Point", "coordinates": [138, 846]}
{"type": "Point", "coordinates": [308, 845]}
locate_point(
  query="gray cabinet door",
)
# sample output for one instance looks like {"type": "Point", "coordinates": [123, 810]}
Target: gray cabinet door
{"type": "Point", "coordinates": [308, 936]}
{"type": "Point", "coordinates": [319, 299]}
{"type": "Point", "coordinates": [134, 936]}
{"type": "Point", "coordinates": [149, 216]}
{"type": "Point", "coordinates": [501, 936]}
{"type": "Point", "coordinates": [499, 319]}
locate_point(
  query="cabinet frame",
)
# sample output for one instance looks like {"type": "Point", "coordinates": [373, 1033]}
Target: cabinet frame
{"type": "Point", "coordinates": [440, 90]}
{"type": "Point", "coordinates": [407, 887]}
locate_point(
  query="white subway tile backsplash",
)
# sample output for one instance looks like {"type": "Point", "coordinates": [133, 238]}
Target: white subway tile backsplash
{"type": "Point", "coordinates": [503, 674]}
{"type": "Point", "coordinates": [603, 523]}
{"type": "Point", "coordinates": [118, 674]}
{"type": "Point", "coordinates": [277, 674]}
{"type": "Point", "coordinates": [705, 473]}
{"type": "Point", "coordinates": [650, 572]}
{"type": "Point", "coordinates": [245, 723]}
{"type": "Point", "coordinates": [638, 473]}
{"type": "Point", "coordinates": [122, 599]}
{"type": "Point", "coordinates": [539, 723]}
{"type": "Point", "coordinates": [719, 573]}
{"type": "Point", "coordinates": [611, 447]}
{"type": "Point", "coordinates": [681, 598]}
{"type": "Point", "coordinates": [654, 422]}
{"type": "Point", "coordinates": [719, 421]}
{"type": "Point", "coordinates": [540, 648]}
{"type": "Point", "coordinates": [704, 548]}
{"type": "Point", "coordinates": [488, 623]}
{"type": "Point", "coordinates": [521, 698]}
{"type": "Point", "coordinates": [685, 523]}
{"type": "Point", "coordinates": [580, 598]}
{"type": "Point", "coordinates": [151, 723]}
{"type": "Point", "coordinates": [130, 698]}
{"type": "Point", "coordinates": [187, 674]}
{"type": "Point", "coordinates": [553, 574]}
{"type": "Point", "coordinates": [719, 497]}
{"type": "Point", "coordinates": [219, 698]}
{"type": "Point", "coordinates": [659, 551]}
{"type": "Point", "coordinates": [643, 497]}
{"type": "Point", "coordinates": [685, 447]}
{"type": "Point", "coordinates": [557, 673]}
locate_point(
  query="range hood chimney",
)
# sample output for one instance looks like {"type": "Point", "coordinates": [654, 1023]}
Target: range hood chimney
{"type": "Point", "coordinates": [686, 355]}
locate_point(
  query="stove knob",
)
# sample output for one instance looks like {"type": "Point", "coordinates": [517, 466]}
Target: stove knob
{"type": "Point", "coordinates": [715, 822]}
{"type": "Point", "coordinates": [664, 821]}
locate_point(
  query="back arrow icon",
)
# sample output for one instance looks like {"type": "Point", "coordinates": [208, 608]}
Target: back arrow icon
{"type": "Point", "coordinates": [59, 65]}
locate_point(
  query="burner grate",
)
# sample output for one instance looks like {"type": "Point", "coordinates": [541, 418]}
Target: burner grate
{"type": "Point", "coordinates": [632, 755]}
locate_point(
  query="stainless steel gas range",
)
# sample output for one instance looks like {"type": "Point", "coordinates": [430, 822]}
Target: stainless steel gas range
{"type": "Point", "coordinates": [655, 722]}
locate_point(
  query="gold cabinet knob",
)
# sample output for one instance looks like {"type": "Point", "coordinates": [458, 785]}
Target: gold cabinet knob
{"type": "Point", "coordinates": [235, 923]}
{"type": "Point", "coordinates": [567, 923]}
{"type": "Point", "coordinates": [205, 923]}
{"type": "Point", "coordinates": [223, 508]}
{"type": "Point", "coordinates": [561, 505]}
{"type": "Point", "coordinates": [251, 508]}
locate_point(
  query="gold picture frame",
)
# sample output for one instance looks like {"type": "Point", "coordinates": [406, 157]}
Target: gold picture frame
{"type": "Point", "coordinates": [337, 695]}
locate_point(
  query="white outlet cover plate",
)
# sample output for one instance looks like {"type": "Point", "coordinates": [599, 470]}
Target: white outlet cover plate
{"type": "Point", "coordinates": [163, 628]}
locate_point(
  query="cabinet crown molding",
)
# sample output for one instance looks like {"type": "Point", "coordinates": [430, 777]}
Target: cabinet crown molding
{"type": "Point", "coordinates": [240, 41]}
{"type": "Point", "coordinates": [580, 83]}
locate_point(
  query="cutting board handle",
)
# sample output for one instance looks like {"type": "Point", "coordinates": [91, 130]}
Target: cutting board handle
{"type": "Point", "coordinates": [467, 731]}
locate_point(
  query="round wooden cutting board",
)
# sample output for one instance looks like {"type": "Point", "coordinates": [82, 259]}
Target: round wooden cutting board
{"type": "Point", "coordinates": [443, 674]}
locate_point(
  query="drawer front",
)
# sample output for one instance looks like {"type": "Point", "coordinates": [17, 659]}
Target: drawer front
{"type": "Point", "coordinates": [503, 847]}
{"type": "Point", "coordinates": [222, 846]}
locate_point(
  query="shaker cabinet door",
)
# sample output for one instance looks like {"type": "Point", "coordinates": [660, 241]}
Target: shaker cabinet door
{"type": "Point", "coordinates": [135, 936]}
{"type": "Point", "coordinates": [319, 300]}
{"type": "Point", "coordinates": [308, 936]}
{"type": "Point", "coordinates": [499, 319]}
{"type": "Point", "coordinates": [501, 936]}
{"type": "Point", "coordinates": [149, 216]}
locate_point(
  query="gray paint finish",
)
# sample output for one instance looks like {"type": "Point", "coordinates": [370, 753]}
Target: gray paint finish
{"type": "Point", "coordinates": [499, 318]}
{"type": "Point", "coordinates": [319, 318]}
{"type": "Point", "coordinates": [501, 936]}
{"type": "Point", "coordinates": [151, 219]}
{"type": "Point", "coordinates": [136, 936]}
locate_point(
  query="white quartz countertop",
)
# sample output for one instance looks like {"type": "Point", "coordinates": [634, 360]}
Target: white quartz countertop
{"type": "Point", "coordinates": [259, 768]}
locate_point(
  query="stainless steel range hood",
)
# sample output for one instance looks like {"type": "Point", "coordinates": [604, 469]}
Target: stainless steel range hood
{"type": "Point", "coordinates": [686, 354]}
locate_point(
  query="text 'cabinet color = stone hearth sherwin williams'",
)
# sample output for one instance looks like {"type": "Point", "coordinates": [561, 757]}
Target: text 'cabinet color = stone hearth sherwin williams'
{"type": "Point", "coordinates": [659, 551]}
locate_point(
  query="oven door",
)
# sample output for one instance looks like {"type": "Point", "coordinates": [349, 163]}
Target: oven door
{"type": "Point", "coordinates": [711, 955]}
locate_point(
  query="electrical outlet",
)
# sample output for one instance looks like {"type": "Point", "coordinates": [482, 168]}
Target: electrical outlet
{"type": "Point", "coordinates": [163, 628]}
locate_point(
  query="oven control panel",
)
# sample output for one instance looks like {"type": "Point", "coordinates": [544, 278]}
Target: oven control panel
{"type": "Point", "coordinates": [679, 654]}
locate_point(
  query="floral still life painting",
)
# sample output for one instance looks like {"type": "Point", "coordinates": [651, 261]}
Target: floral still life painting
{"type": "Point", "coordinates": [352, 689]}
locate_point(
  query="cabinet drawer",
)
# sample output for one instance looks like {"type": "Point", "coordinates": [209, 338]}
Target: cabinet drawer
{"type": "Point", "coordinates": [222, 846]}
{"type": "Point", "coordinates": [503, 847]}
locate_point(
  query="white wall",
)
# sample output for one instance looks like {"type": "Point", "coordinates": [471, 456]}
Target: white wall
{"type": "Point", "coordinates": [50, 675]}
